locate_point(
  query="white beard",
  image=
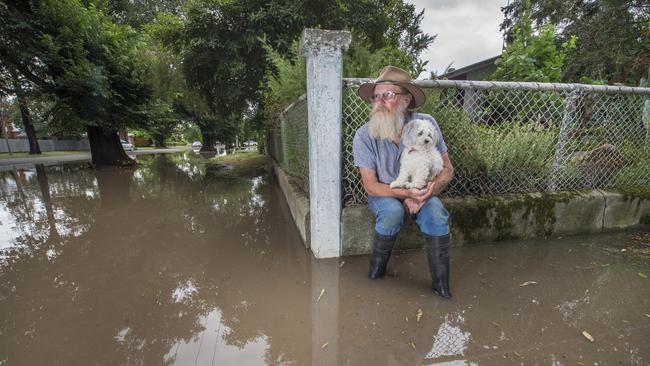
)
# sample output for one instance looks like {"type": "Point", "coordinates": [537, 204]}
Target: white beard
{"type": "Point", "coordinates": [385, 124]}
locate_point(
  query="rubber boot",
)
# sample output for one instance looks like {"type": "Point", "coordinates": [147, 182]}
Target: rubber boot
{"type": "Point", "coordinates": [438, 256]}
{"type": "Point", "coordinates": [382, 246]}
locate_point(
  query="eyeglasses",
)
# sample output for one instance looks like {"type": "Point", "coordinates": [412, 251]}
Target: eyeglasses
{"type": "Point", "coordinates": [389, 95]}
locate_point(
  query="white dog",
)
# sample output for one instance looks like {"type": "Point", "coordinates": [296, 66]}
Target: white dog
{"type": "Point", "coordinates": [420, 160]}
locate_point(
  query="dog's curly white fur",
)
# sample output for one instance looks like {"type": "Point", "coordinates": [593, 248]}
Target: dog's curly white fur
{"type": "Point", "coordinates": [420, 160]}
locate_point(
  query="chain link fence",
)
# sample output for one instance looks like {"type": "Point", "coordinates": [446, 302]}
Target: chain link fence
{"type": "Point", "coordinates": [289, 144]}
{"type": "Point", "coordinates": [507, 137]}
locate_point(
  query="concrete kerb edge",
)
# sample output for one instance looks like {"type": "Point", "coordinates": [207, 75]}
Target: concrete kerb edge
{"type": "Point", "coordinates": [510, 217]}
{"type": "Point", "coordinates": [298, 203]}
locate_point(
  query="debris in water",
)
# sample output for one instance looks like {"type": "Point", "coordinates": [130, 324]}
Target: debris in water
{"type": "Point", "coordinates": [321, 294]}
{"type": "Point", "coordinates": [419, 315]}
{"type": "Point", "coordinates": [412, 344]}
{"type": "Point", "coordinates": [588, 336]}
{"type": "Point", "coordinates": [407, 318]}
{"type": "Point", "coordinates": [324, 345]}
{"type": "Point", "coordinates": [342, 264]}
{"type": "Point", "coordinates": [497, 324]}
{"type": "Point", "coordinates": [642, 275]}
{"type": "Point", "coordinates": [492, 258]}
{"type": "Point", "coordinates": [528, 283]}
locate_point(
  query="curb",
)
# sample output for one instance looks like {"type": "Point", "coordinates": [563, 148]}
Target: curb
{"type": "Point", "coordinates": [512, 217]}
{"type": "Point", "coordinates": [298, 203]}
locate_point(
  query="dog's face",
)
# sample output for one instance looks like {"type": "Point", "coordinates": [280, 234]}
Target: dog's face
{"type": "Point", "coordinates": [419, 133]}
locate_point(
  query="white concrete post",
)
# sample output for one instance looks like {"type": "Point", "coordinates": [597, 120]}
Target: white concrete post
{"type": "Point", "coordinates": [324, 52]}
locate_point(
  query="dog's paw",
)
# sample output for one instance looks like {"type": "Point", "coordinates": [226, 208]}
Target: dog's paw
{"type": "Point", "coordinates": [394, 184]}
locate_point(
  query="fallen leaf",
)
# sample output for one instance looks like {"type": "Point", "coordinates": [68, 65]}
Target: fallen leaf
{"type": "Point", "coordinates": [517, 353]}
{"type": "Point", "coordinates": [412, 344]}
{"type": "Point", "coordinates": [642, 275]}
{"type": "Point", "coordinates": [321, 295]}
{"type": "Point", "coordinates": [528, 283]}
{"type": "Point", "coordinates": [342, 264]}
{"type": "Point", "coordinates": [580, 363]}
{"type": "Point", "coordinates": [407, 318]}
{"type": "Point", "coordinates": [324, 345]}
{"type": "Point", "coordinates": [588, 336]}
{"type": "Point", "coordinates": [419, 315]}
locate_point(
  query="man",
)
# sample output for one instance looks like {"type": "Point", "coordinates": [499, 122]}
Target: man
{"type": "Point", "coordinates": [376, 151]}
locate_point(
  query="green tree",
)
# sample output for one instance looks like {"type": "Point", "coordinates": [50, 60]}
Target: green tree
{"type": "Point", "coordinates": [532, 57]}
{"type": "Point", "coordinates": [85, 61]}
{"type": "Point", "coordinates": [226, 46]}
{"type": "Point", "coordinates": [613, 36]}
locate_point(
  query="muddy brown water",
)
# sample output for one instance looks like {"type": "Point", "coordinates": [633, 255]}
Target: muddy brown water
{"type": "Point", "coordinates": [166, 264]}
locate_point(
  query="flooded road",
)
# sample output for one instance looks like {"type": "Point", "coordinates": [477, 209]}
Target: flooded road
{"type": "Point", "coordinates": [167, 264]}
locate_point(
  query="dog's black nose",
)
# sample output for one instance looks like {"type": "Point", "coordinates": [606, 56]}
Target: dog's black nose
{"type": "Point", "coordinates": [426, 141]}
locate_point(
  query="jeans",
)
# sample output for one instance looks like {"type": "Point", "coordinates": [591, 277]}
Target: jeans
{"type": "Point", "coordinates": [433, 218]}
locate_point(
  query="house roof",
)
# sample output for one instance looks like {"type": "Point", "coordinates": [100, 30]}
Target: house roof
{"type": "Point", "coordinates": [473, 67]}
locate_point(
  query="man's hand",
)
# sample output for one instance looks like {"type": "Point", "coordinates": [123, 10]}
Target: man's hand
{"type": "Point", "coordinates": [417, 197]}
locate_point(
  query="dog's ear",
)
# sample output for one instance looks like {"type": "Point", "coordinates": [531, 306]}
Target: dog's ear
{"type": "Point", "coordinates": [408, 133]}
{"type": "Point", "coordinates": [434, 134]}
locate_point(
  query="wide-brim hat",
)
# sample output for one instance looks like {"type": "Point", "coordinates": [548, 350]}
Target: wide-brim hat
{"type": "Point", "coordinates": [395, 76]}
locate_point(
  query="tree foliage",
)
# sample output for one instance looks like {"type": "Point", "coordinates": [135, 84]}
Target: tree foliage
{"type": "Point", "coordinates": [613, 35]}
{"type": "Point", "coordinates": [532, 57]}
{"type": "Point", "coordinates": [77, 55]}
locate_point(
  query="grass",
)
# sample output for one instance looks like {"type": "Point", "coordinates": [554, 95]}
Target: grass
{"type": "Point", "coordinates": [45, 153]}
{"type": "Point", "coordinates": [243, 164]}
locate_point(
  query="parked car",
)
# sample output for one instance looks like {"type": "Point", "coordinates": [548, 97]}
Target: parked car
{"type": "Point", "coordinates": [127, 146]}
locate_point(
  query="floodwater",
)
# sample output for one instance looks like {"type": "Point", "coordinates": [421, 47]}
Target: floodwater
{"type": "Point", "coordinates": [165, 264]}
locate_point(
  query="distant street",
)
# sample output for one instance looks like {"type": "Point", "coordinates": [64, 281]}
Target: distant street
{"type": "Point", "coordinates": [82, 155]}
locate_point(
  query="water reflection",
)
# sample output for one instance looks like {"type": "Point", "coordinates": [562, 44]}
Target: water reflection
{"type": "Point", "coordinates": [124, 266]}
{"type": "Point", "coordinates": [168, 264]}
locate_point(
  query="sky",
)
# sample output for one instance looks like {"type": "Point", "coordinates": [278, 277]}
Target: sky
{"type": "Point", "coordinates": [468, 31]}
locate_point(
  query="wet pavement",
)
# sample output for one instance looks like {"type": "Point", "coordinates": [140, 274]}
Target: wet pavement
{"type": "Point", "coordinates": [167, 264]}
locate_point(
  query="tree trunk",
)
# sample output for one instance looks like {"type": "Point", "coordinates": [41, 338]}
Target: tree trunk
{"type": "Point", "coordinates": [24, 114]}
{"type": "Point", "coordinates": [208, 141]}
{"type": "Point", "coordinates": [44, 184]}
{"type": "Point", "coordinates": [106, 149]}
{"type": "Point", "coordinates": [159, 141]}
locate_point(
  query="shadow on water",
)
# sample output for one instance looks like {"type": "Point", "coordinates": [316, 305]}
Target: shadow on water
{"type": "Point", "coordinates": [167, 264]}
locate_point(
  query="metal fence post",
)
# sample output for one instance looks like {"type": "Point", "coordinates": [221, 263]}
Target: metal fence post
{"type": "Point", "coordinates": [571, 105]}
{"type": "Point", "coordinates": [324, 52]}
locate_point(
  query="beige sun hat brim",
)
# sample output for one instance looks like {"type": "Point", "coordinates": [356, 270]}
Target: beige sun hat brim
{"type": "Point", "coordinates": [394, 76]}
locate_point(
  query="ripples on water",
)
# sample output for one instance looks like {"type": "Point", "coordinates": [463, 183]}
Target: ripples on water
{"type": "Point", "coordinates": [167, 264]}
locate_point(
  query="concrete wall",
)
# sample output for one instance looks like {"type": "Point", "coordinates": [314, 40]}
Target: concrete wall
{"type": "Point", "coordinates": [524, 216]}
{"type": "Point", "coordinates": [298, 203]}
{"type": "Point", "coordinates": [22, 145]}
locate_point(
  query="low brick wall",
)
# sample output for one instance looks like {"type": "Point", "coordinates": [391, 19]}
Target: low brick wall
{"type": "Point", "coordinates": [524, 216]}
